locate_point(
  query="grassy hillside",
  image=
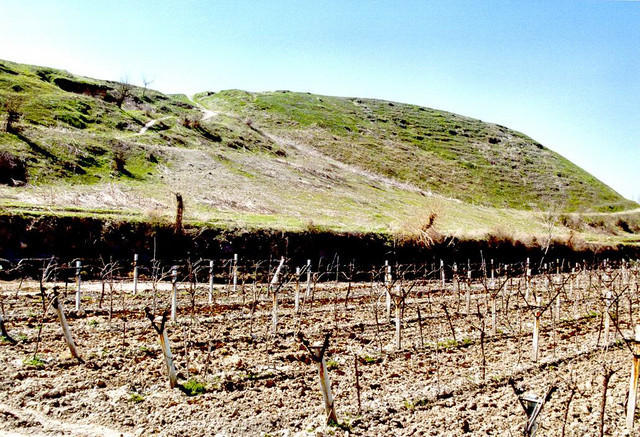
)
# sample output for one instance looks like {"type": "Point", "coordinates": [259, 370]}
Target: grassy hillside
{"type": "Point", "coordinates": [446, 153]}
{"type": "Point", "coordinates": [80, 146]}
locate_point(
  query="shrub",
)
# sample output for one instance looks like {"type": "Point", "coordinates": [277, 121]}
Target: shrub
{"type": "Point", "coordinates": [420, 230]}
{"type": "Point", "coordinates": [120, 156]}
{"type": "Point", "coordinates": [500, 237]}
{"type": "Point", "coordinates": [13, 107]}
{"type": "Point", "coordinates": [573, 222]}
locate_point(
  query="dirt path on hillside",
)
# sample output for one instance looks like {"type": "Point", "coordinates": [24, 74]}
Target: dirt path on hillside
{"type": "Point", "coordinates": [150, 123]}
{"type": "Point", "coordinates": [206, 113]}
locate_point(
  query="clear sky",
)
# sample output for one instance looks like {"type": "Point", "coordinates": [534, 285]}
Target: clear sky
{"type": "Point", "coordinates": [566, 73]}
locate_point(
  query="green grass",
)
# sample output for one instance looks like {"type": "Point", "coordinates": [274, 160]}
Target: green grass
{"type": "Point", "coordinates": [447, 153]}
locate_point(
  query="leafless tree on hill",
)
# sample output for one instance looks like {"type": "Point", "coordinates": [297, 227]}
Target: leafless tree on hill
{"type": "Point", "coordinates": [123, 91]}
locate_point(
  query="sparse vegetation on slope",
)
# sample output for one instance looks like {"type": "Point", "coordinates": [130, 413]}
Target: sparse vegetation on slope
{"type": "Point", "coordinates": [79, 146]}
{"type": "Point", "coordinates": [446, 153]}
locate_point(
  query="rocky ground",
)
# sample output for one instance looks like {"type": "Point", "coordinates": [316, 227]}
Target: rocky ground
{"type": "Point", "coordinates": [238, 378]}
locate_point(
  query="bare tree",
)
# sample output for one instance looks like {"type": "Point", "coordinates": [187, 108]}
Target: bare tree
{"type": "Point", "coordinates": [145, 82]}
{"type": "Point", "coordinates": [123, 91]}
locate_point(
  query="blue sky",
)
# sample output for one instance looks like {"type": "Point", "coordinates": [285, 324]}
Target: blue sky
{"type": "Point", "coordinates": [566, 73]}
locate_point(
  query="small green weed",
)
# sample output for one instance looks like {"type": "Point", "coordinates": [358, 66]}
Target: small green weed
{"type": "Point", "coordinates": [449, 343]}
{"type": "Point", "coordinates": [592, 314]}
{"type": "Point", "coordinates": [332, 364]}
{"type": "Point", "coordinates": [193, 387]}
{"type": "Point", "coordinates": [35, 362]}
{"type": "Point", "coordinates": [136, 398]}
{"type": "Point", "coordinates": [366, 359]}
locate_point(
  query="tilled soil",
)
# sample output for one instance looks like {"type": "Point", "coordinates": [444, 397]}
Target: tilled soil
{"type": "Point", "coordinates": [260, 383]}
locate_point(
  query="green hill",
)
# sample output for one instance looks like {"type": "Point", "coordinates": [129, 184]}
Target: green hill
{"type": "Point", "coordinates": [277, 159]}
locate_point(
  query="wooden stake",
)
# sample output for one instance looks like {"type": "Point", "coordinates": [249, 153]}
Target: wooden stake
{"type": "Point", "coordinates": [536, 333]}
{"type": "Point", "coordinates": [527, 279]}
{"type": "Point", "coordinates": [235, 273]}
{"type": "Point", "coordinates": [210, 295]}
{"type": "Point", "coordinates": [135, 273]}
{"type": "Point", "coordinates": [78, 282]}
{"type": "Point", "coordinates": [174, 293]}
{"type": "Point", "coordinates": [308, 291]}
{"type": "Point", "coordinates": [388, 304]}
{"type": "Point", "coordinates": [493, 316]}
{"type": "Point", "coordinates": [633, 381]}
{"type": "Point", "coordinates": [274, 282]}
{"type": "Point", "coordinates": [164, 344]}
{"type": "Point", "coordinates": [398, 319]}
{"type": "Point", "coordinates": [355, 363]}
{"type": "Point", "coordinates": [297, 296]}
{"type": "Point", "coordinates": [420, 328]}
{"type": "Point", "coordinates": [317, 353]}
{"type": "Point", "coordinates": [274, 313]}
{"type": "Point", "coordinates": [468, 291]}
{"type": "Point", "coordinates": [68, 338]}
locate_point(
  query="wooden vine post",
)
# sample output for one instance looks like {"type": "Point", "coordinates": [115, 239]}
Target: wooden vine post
{"type": "Point", "coordinates": [164, 344]}
{"type": "Point", "coordinates": [78, 284]}
{"type": "Point", "coordinates": [536, 332]}
{"type": "Point", "coordinates": [494, 324]}
{"type": "Point", "coordinates": [210, 294]}
{"type": "Point", "coordinates": [308, 290]}
{"type": "Point", "coordinates": [135, 273]}
{"type": "Point", "coordinates": [527, 280]}
{"type": "Point", "coordinates": [388, 279]}
{"type": "Point", "coordinates": [297, 296]}
{"type": "Point", "coordinates": [174, 292]}
{"type": "Point", "coordinates": [274, 290]}
{"type": "Point", "coordinates": [468, 288]}
{"type": "Point", "coordinates": [317, 353]}
{"type": "Point", "coordinates": [398, 311]}
{"type": "Point", "coordinates": [66, 332]}
{"type": "Point", "coordinates": [456, 282]}
{"type": "Point", "coordinates": [633, 381]}
{"type": "Point", "coordinates": [235, 273]}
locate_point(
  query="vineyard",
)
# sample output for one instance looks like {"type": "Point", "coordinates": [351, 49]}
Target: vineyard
{"type": "Point", "coordinates": [266, 347]}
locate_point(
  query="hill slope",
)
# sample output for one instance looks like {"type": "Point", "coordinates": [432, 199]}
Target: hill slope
{"type": "Point", "coordinates": [278, 159]}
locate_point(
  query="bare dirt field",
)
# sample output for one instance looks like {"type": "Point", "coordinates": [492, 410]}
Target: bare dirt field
{"type": "Point", "coordinates": [455, 372]}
